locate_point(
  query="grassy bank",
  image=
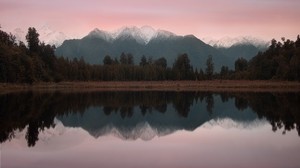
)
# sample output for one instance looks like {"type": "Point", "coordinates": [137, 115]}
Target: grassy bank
{"type": "Point", "coordinates": [214, 85]}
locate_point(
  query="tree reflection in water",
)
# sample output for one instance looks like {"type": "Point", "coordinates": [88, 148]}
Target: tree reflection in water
{"type": "Point", "coordinates": [35, 111]}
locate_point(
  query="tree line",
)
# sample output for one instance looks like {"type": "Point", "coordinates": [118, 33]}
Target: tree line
{"type": "Point", "coordinates": [36, 62]}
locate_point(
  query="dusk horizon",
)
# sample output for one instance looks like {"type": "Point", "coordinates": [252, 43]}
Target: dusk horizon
{"type": "Point", "coordinates": [261, 19]}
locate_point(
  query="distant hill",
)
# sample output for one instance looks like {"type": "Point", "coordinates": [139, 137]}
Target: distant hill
{"type": "Point", "coordinates": [227, 42]}
{"type": "Point", "coordinates": [151, 43]}
{"type": "Point", "coordinates": [246, 51]}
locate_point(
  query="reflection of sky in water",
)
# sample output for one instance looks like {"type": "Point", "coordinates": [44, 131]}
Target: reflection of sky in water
{"type": "Point", "coordinates": [208, 146]}
{"type": "Point", "coordinates": [225, 136]}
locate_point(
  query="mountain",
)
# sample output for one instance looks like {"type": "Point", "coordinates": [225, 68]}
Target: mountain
{"type": "Point", "coordinates": [20, 34]}
{"type": "Point", "coordinates": [47, 35]}
{"type": "Point", "coordinates": [141, 41]}
{"type": "Point", "coordinates": [50, 36]}
{"type": "Point", "coordinates": [142, 35]}
{"type": "Point", "coordinates": [246, 51]}
{"type": "Point", "coordinates": [234, 48]}
{"type": "Point", "coordinates": [149, 42]}
{"type": "Point", "coordinates": [160, 43]}
{"type": "Point", "coordinates": [227, 42]}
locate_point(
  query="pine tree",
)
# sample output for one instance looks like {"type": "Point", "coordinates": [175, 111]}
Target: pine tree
{"type": "Point", "coordinates": [209, 68]}
{"type": "Point", "coordinates": [32, 39]}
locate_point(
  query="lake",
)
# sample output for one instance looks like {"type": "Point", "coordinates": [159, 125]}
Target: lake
{"type": "Point", "coordinates": [133, 129]}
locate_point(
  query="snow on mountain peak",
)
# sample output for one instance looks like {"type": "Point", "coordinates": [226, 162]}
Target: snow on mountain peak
{"type": "Point", "coordinates": [164, 34]}
{"type": "Point", "coordinates": [51, 36]}
{"type": "Point", "coordinates": [133, 32]}
{"type": "Point", "coordinates": [148, 33]}
{"type": "Point", "coordinates": [229, 41]}
{"type": "Point", "coordinates": [20, 34]}
{"type": "Point", "coordinates": [101, 34]}
{"type": "Point", "coordinates": [46, 35]}
{"type": "Point", "coordinates": [45, 30]}
{"type": "Point", "coordinates": [142, 35]}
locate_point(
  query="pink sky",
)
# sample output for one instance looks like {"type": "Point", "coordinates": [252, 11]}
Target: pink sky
{"type": "Point", "coordinates": [265, 19]}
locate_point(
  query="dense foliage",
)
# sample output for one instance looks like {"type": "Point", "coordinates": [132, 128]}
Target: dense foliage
{"type": "Point", "coordinates": [37, 62]}
{"type": "Point", "coordinates": [280, 61]}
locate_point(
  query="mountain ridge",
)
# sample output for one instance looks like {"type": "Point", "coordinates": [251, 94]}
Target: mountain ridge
{"type": "Point", "coordinates": [154, 43]}
{"type": "Point", "coordinates": [97, 44]}
{"type": "Point", "coordinates": [142, 35]}
{"type": "Point", "coordinates": [48, 34]}
{"type": "Point", "coordinates": [227, 42]}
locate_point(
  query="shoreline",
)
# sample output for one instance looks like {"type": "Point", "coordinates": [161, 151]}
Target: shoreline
{"type": "Point", "coordinates": [213, 85]}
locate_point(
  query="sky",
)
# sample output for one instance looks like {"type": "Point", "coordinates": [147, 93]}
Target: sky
{"type": "Point", "coordinates": [265, 19]}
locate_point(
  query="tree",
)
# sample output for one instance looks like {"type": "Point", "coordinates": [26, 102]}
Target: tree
{"type": "Point", "coordinates": [209, 68]}
{"type": "Point", "coordinates": [126, 59]}
{"type": "Point", "coordinates": [201, 75]}
{"type": "Point", "coordinates": [161, 62]}
{"type": "Point", "coordinates": [182, 68]}
{"type": "Point", "coordinates": [107, 60]}
{"type": "Point", "coordinates": [241, 64]}
{"type": "Point", "coordinates": [130, 59]}
{"type": "Point", "coordinates": [143, 61]}
{"type": "Point", "coordinates": [123, 58]}
{"type": "Point", "coordinates": [297, 43]}
{"type": "Point", "coordinates": [279, 61]}
{"type": "Point", "coordinates": [116, 61]}
{"type": "Point", "coordinates": [7, 39]}
{"type": "Point", "coordinates": [32, 39]}
{"type": "Point", "coordinates": [224, 72]}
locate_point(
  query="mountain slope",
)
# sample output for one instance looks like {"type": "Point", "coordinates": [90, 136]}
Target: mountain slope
{"type": "Point", "coordinates": [246, 51]}
{"type": "Point", "coordinates": [140, 41]}
{"type": "Point", "coordinates": [227, 42]}
{"type": "Point", "coordinates": [234, 48]}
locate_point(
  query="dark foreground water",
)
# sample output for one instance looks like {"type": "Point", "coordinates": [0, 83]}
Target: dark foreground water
{"type": "Point", "coordinates": [149, 129]}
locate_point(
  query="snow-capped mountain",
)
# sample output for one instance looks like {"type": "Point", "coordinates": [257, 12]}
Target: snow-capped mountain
{"type": "Point", "coordinates": [142, 35]}
{"type": "Point", "coordinates": [47, 35]}
{"type": "Point", "coordinates": [20, 34]}
{"type": "Point", "coordinates": [159, 43]}
{"type": "Point", "coordinates": [227, 42]}
{"type": "Point", "coordinates": [138, 42]}
{"type": "Point", "coordinates": [101, 34]}
{"type": "Point", "coordinates": [50, 36]}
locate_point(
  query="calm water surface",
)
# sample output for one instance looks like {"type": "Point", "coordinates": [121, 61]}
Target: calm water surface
{"type": "Point", "coordinates": [149, 129]}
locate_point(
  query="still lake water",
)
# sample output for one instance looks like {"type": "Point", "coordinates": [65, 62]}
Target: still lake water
{"type": "Point", "coordinates": [149, 129]}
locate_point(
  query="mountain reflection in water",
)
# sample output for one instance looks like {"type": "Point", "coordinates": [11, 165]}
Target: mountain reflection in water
{"type": "Point", "coordinates": [131, 115]}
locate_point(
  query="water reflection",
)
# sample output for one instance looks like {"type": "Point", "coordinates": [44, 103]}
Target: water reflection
{"type": "Point", "coordinates": [133, 115]}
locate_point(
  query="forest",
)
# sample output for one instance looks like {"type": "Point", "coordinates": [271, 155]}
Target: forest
{"type": "Point", "coordinates": [36, 62]}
